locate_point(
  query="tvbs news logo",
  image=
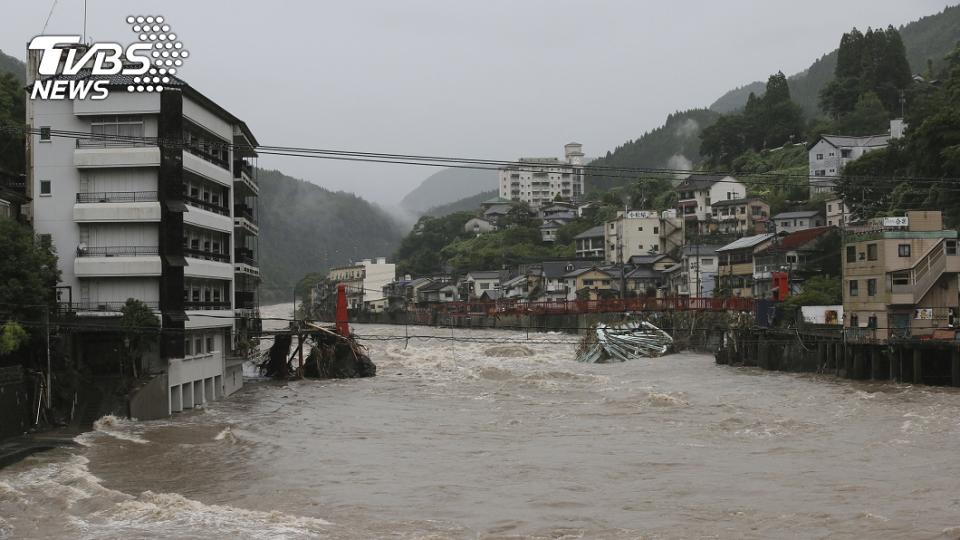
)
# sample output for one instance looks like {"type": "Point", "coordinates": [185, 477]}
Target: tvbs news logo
{"type": "Point", "coordinates": [145, 65]}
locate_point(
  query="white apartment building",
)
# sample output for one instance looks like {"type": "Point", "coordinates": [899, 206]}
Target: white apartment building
{"type": "Point", "coordinates": [635, 232]}
{"type": "Point", "coordinates": [365, 281]}
{"type": "Point", "coordinates": [697, 193]}
{"type": "Point", "coordinates": [172, 225]}
{"type": "Point", "coordinates": [537, 181]}
{"type": "Point", "coordinates": [838, 213]}
{"type": "Point", "coordinates": [832, 153]}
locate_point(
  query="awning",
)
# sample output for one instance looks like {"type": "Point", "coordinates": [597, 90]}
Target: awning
{"type": "Point", "coordinates": [176, 316]}
{"type": "Point", "coordinates": [175, 260]}
{"type": "Point", "coordinates": [175, 206]}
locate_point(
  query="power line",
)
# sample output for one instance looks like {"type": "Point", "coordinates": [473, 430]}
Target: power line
{"type": "Point", "coordinates": [628, 173]}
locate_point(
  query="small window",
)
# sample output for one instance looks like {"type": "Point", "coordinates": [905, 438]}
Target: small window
{"type": "Point", "coordinates": [656, 230]}
{"type": "Point", "coordinates": [871, 252]}
{"type": "Point", "coordinates": [872, 321]}
{"type": "Point", "coordinates": [845, 153]}
{"type": "Point", "coordinates": [198, 345]}
{"type": "Point", "coordinates": [210, 344]}
{"type": "Point", "coordinates": [854, 321]}
{"type": "Point", "coordinates": [707, 262]}
{"type": "Point", "coordinates": [900, 279]}
{"type": "Point", "coordinates": [45, 188]}
{"type": "Point", "coordinates": [854, 288]}
{"type": "Point", "coordinates": [871, 287]}
{"type": "Point", "coordinates": [44, 133]}
{"type": "Point", "coordinates": [45, 241]}
{"type": "Point", "coordinates": [903, 250]}
{"type": "Point", "coordinates": [951, 247]}
{"type": "Point", "coordinates": [640, 229]}
{"type": "Point", "coordinates": [819, 156]}
{"type": "Point", "coordinates": [187, 349]}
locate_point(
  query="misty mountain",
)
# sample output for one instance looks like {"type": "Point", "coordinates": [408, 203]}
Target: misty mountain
{"type": "Point", "coordinates": [305, 228]}
{"type": "Point", "coordinates": [674, 145]}
{"type": "Point", "coordinates": [9, 64]}
{"type": "Point", "coordinates": [446, 186]}
{"type": "Point", "coordinates": [927, 39]}
{"type": "Point", "coordinates": [465, 204]}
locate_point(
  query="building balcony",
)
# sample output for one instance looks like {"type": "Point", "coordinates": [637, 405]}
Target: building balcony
{"type": "Point", "coordinates": [205, 305]}
{"type": "Point", "coordinates": [100, 308]}
{"type": "Point", "coordinates": [245, 299]}
{"type": "Point", "coordinates": [243, 218]}
{"type": "Point", "coordinates": [209, 206]}
{"type": "Point", "coordinates": [117, 261]}
{"type": "Point", "coordinates": [206, 255]}
{"type": "Point", "coordinates": [92, 153]}
{"type": "Point", "coordinates": [122, 206]}
{"type": "Point", "coordinates": [209, 216]}
{"type": "Point", "coordinates": [201, 264]}
{"type": "Point", "coordinates": [207, 166]}
{"type": "Point", "coordinates": [243, 178]}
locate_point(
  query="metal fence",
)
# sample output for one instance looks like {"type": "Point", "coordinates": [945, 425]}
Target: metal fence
{"type": "Point", "coordinates": [612, 305]}
{"type": "Point", "coordinates": [117, 197]}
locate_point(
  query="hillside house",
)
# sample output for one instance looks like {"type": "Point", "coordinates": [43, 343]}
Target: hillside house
{"type": "Point", "coordinates": [697, 194]}
{"type": "Point", "coordinates": [735, 264]}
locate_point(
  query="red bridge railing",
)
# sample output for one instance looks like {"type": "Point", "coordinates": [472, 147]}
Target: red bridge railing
{"type": "Point", "coordinates": [612, 305]}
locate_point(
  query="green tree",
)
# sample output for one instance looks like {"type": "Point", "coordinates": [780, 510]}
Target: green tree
{"type": "Point", "coordinates": [28, 273]}
{"type": "Point", "coordinates": [868, 117]}
{"type": "Point", "coordinates": [12, 113]}
{"type": "Point", "coordinates": [12, 336]}
{"type": "Point", "coordinates": [140, 328]}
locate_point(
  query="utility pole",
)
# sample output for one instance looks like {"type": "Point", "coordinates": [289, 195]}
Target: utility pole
{"type": "Point", "coordinates": [46, 339]}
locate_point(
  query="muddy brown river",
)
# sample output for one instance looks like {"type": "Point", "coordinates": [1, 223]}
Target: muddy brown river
{"type": "Point", "coordinates": [504, 436]}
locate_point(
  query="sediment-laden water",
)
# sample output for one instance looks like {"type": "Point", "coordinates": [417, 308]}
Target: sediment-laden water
{"type": "Point", "coordinates": [509, 437]}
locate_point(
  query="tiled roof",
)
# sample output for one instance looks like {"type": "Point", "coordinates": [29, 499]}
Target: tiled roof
{"type": "Point", "coordinates": [746, 242]}
{"type": "Point", "coordinates": [580, 271]}
{"type": "Point", "coordinates": [592, 232]}
{"type": "Point", "coordinates": [868, 141]}
{"type": "Point", "coordinates": [800, 214]}
{"type": "Point", "coordinates": [733, 202]}
{"type": "Point", "coordinates": [484, 274]}
{"type": "Point", "coordinates": [557, 269]}
{"type": "Point", "coordinates": [702, 249]}
{"type": "Point", "coordinates": [799, 239]}
{"type": "Point", "coordinates": [699, 181]}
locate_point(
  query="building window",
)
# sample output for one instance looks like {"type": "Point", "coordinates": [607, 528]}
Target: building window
{"type": "Point", "coordinates": [845, 153]}
{"type": "Point", "coordinates": [871, 252]}
{"type": "Point", "coordinates": [903, 250]}
{"type": "Point", "coordinates": [45, 188]}
{"type": "Point", "coordinates": [209, 343]}
{"type": "Point", "coordinates": [854, 321]}
{"type": "Point", "coordinates": [198, 346]}
{"type": "Point", "coordinates": [900, 279]}
{"type": "Point", "coordinates": [951, 247]}
{"type": "Point", "coordinates": [656, 230]}
{"type": "Point", "coordinates": [707, 262]}
{"type": "Point", "coordinates": [187, 348]}
{"type": "Point", "coordinates": [484, 286]}
{"type": "Point", "coordinates": [819, 156]}
{"type": "Point", "coordinates": [854, 288]}
{"type": "Point", "coordinates": [871, 287]}
{"type": "Point", "coordinates": [44, 133]}
{"type": "Point", "coordinates": [640, 229]}
{"type": "Point", "coordinates": [872, 321]}
{"type": "Point", "coordinates": [45, 241]}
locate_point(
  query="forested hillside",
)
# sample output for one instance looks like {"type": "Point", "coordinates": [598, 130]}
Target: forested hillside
{"type": "Point", "coordinates": [467, 203]}
{"type": "Point", "coordinates": [448, 185]}
{"type": "Point", "coordinates": [927, 40]}
{"type": "Point", "coordinates": [674, 145]}
{"type": "Point", "coordinates": [9, 64]}
{"type": "Point", "coordinates": [12, 112]}
{"type": "Point", "coordinates": [305, 228]}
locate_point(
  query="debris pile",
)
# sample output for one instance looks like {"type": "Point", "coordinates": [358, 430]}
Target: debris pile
{"type": "Point", "coordinates": [605, 344]}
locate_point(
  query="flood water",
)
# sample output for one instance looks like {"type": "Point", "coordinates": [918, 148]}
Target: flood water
{"type": "Point", "coordinates": [505, 436]}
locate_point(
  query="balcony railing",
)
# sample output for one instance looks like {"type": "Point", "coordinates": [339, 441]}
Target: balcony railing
{"type": "Point", "coordinates": [206, 255]}
{"type": "Point", "coordinates": [117, 251]}
{"type": "Point", "coordinates": [207, 205]}
{"type": "Point", "coordinates": [114, 141]}
{"type": "Point", "coordinates": [204, 306]}
{"type": "Point", "coordinates": [245, 299]}
{"type": "Point", "coordinates": [98, 306]}
{"type": "Point", "coordinates": [241, 166]}
{"type": "Point", "coordinates": [117, 197]}
{"type": "Point", "coordinates": [207, 156]}
{"type": "Point", "coordinates": [244, 256]}
{"type": "Point", "coordinates": [244, 211]}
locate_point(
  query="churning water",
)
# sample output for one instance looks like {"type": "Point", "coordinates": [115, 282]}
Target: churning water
{"type": "Point", "coordinates": [509, 437]}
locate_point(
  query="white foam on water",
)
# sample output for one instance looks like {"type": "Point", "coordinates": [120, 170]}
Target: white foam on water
{"type": "Point", "coordinates": [66, 493]}
{"type": "Point", "coordinates": [118, 428]}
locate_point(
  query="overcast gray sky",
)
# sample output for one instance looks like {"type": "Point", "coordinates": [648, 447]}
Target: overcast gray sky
{"type": "Point", "coordinates": [494, 78]}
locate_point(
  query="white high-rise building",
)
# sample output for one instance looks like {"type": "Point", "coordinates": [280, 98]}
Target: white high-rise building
{"type": "Point", "coordinates": [538, 181]}
{"type": "Point", "coordinates": [165, 215]}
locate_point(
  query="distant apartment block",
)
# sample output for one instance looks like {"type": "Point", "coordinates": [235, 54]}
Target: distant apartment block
{"type": "Point", "coordinates": [901, 278]}
{"type": "Point", "coordinates": [538, 181]}
{"type": "Point", "coordinates": [829, 155]}
{"type": "Point", "coordinates": [699, 192]}
{"type": "Point", "coordinates": [365, 281]}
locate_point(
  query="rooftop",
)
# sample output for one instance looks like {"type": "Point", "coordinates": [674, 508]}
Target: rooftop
{"type": "Point", "coordinates": [800, 238]}
{"type": "Point", "coordinates": [800, 214]}
{"type": "Point", "coordinates": [734, 202]}
{"type": "Point", "coordinates": [557, 269]}
{"type": "Point", "coordinates": [746, 242]}
{"type": "Point", "coordinates": [593, 232]}
{"type": "Point", "coordinates": [699, 181]}
{"type": "Point", "coordinates": [868, 141]}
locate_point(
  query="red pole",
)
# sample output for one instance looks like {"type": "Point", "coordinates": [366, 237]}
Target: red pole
{"type": "Point", "coordinates": [343, 324]}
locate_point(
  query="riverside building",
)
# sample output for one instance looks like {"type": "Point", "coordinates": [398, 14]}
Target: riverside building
{"type": "Point", "coordinates": [171, 225]}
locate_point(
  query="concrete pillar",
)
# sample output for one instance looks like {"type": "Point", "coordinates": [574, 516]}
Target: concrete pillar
{"type": "Point", "coordinates": [176, 399]}
{"type": "Point", "coordinates": [875, 364]}
{"type": "Point", "coordinates": [955, 367]}
{"type": "Point", "coordinates": [917, 367]}
{"type": "Point", "coordinates": [895, 359]}
{"type": "Point", "coordinates": [858, 358]}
